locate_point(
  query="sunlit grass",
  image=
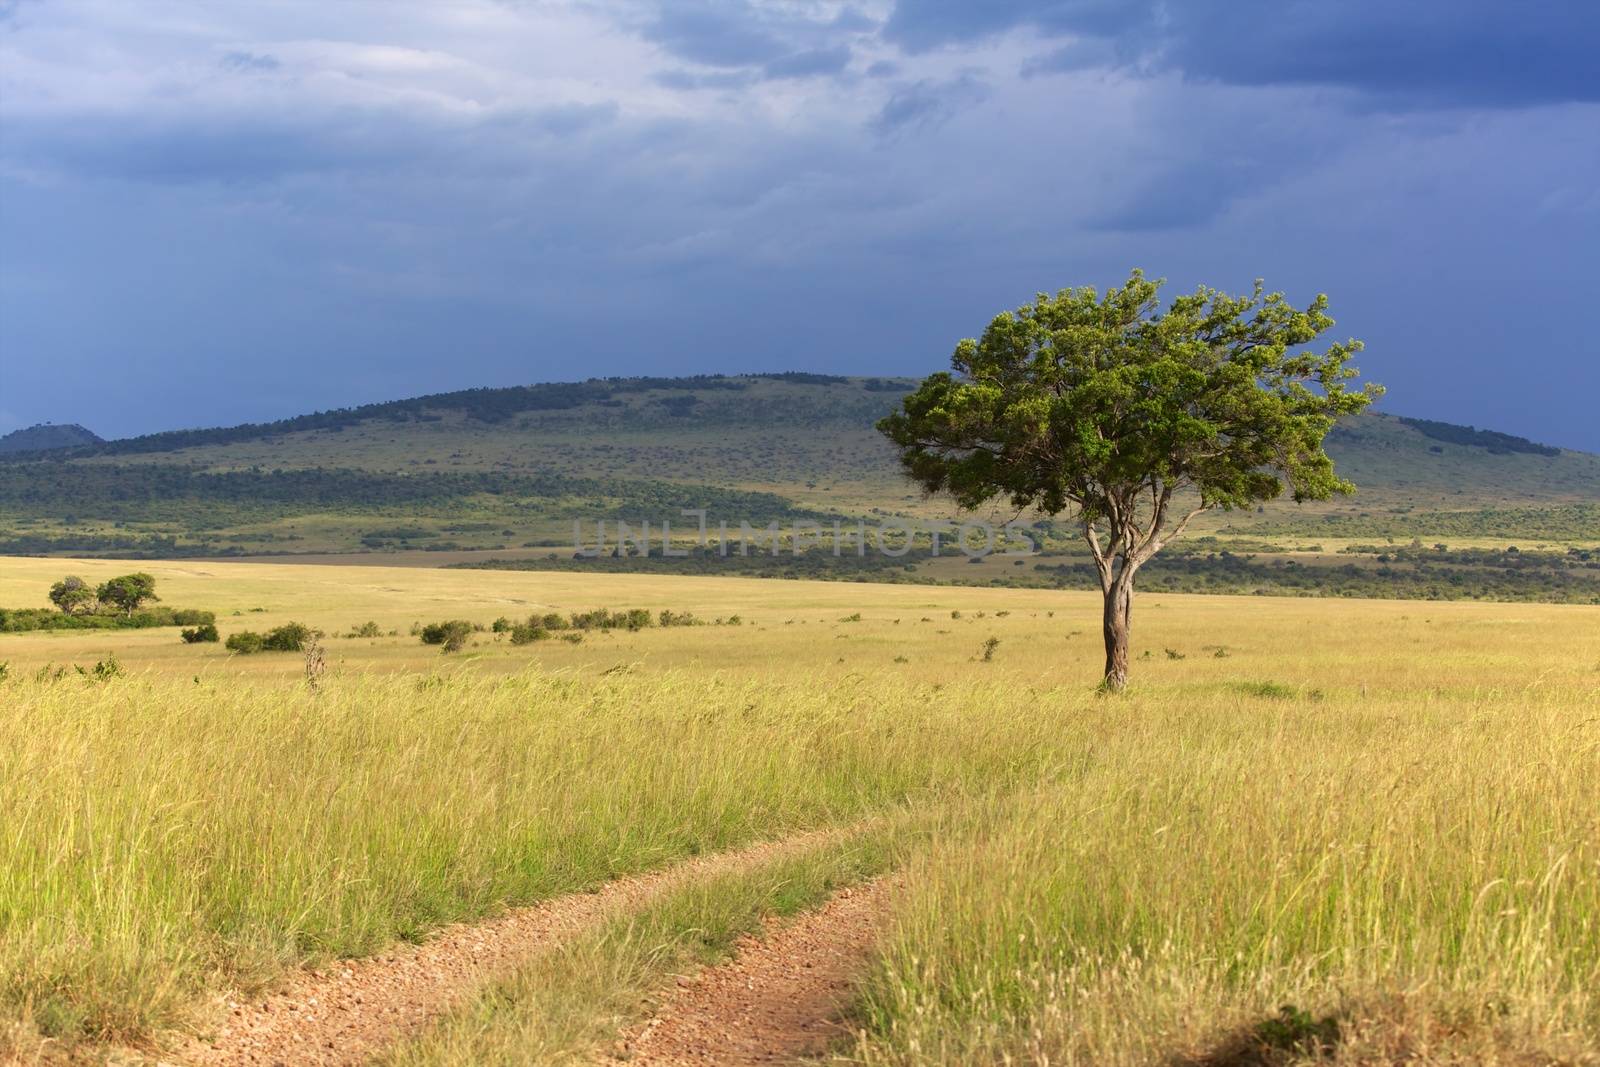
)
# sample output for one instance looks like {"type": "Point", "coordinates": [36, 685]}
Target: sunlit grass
{"type": "Point", "coordinates": [1424, 875]}
{"type": "Point", "coordinates": [1381, 813]}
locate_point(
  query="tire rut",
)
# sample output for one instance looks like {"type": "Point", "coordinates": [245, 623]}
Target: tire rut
{"type": "Point", "coordinates": [346, 1013]}
{"type": "Point", "coordinates": [778, 999]}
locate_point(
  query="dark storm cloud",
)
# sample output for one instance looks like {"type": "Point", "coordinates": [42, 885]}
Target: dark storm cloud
{"type": "Point", "coordinates": [1425, 53]}
{"type": "Point", "coordinates": [369, 200]}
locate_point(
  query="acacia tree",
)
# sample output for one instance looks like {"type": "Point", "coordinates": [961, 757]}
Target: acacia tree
{"type": "Point", "coordinates": [1133, 419]}
{"type": "Point", "coordinates": [127, 592]}
{"type": "Point", "coordinates": [72, 595]}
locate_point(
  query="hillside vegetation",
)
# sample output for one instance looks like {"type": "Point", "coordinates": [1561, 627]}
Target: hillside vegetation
{"type": "Point", "coordinates": [501, 474]}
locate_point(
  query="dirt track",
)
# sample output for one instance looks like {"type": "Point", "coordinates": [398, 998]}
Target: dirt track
{"type": "Point", "coordinates": [346, 1013]}
{"type": "Point", "coordinates": [779, 998]}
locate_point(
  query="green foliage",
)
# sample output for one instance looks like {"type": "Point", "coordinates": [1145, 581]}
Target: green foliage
{"type": "Point", "coordinates": [205, 632]}
{"type": "Point", "coordinates": [527, 632]}
{"type": "Point", "coordinates": [607, 619]}
{"type": "Point", "coordinates": [668, 617]}
{"type": "Point", "coordinates": [73, 596]}
{"type": "Point", "coordinates": [1089, 401]}
{"type": "Point", "coordinates": [245, 642]}
{"type": "Point", "coordinates": [1558, 522]}
{"type": "Point", "coordinates": [1295, 1029]}
{"type": "Point", "coordinates": [127, 592]}
{"type": "Point", "coordinates": [367, 629]}
{"type": "Point", "coordinates": [23, 620]}
{"type": "Point", "coordinates": [452, 634]}
{"type": "Point", "coordinates": [1115, 409]}
{"type": "Point", "coordinates": [290, 637]}
{"type": "Point", "coordinates": [1499, 444]}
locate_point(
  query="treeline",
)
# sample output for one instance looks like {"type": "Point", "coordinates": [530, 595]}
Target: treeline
{"type": "Point", "coordinates": [165, 492]}
{"type": "Point", "coordinates": [24, 620]}
{"type": "Point", "coordinates": [1564, 578]}
{"type": "Point", "coordinates": [1559, 522]}
{"type": "Point", "coordinates": [489, 405]}
{"type": "Point", "coordinates": [1499, 444]}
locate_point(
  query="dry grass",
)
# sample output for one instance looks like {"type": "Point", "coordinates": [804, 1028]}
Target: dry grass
{"type": "Point", "coordinates": [1378, 812]}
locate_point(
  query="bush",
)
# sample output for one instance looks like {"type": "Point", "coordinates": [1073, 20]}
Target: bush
{"type": "Point", "coordinates": [367, 629]}
{"type": "Point", "coordinates": [669, 617]}
{"type": "Point", "coordinates": [290, 637]}
{"type": "Point", "coordinates": [206, 631]}
{"type": "Point", "coordinates": [452, 634]}
{"type": "Point", "coordinates": [605, 619]}
{"type": "Point", "coordinates": [526, 633]}
{"type": "Point", "coordinates": [245, 642]}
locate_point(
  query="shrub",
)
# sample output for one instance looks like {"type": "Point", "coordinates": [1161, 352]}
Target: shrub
{"type": "Point", "coordinates": [104, 670]}
{"type": "Point", "coordinates": [437, 633]}
{"type": "Point", "coordinates": [367, 629]}
{"type": "Point", "coordinates": [452, 634]}
{"type": "Point", "coordinates": [526, 632]}
{"type": "Point", "coordinates": [605, 619]}
{"type": "Point", "coordinates": [669, 617]}
{"type": "Point", "coordinates": [206, 631]}
{"type": "Point", "coordinates": [290, 637]}
{"type": "Point", "coordinates": [245, 642]}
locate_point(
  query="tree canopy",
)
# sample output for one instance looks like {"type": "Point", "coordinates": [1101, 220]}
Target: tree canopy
{"type": "Point", "coordinates": [73, 595]}
{"type": "Point", "coordinates": [126, 592]}
{"type": "Point", "coordinates": [1134, 418]}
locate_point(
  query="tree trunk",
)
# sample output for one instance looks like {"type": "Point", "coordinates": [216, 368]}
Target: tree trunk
{"type": "Point", "coordinates": [1118, 614]}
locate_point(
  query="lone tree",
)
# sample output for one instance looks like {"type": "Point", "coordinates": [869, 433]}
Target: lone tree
{"type": "Point", "coordinates": [1133, 419]}
{"type": "Point", "coordinates": [73, 595]}
{"type": "Point", "coordinates": [127, 592]}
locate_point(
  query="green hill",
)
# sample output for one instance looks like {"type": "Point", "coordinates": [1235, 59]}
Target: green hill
{"type": "Point", "coordinates": [507, 471]}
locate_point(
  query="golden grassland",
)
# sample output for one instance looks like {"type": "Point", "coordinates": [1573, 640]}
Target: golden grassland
{"type": "Point", "coordinates": [1382, 813]}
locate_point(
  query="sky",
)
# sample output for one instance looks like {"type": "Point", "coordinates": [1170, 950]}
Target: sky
{"type": "Point", "coordinates": [213, 213]}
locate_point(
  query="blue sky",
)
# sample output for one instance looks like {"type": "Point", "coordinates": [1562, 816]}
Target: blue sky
{"type": "Point", "coordinates": [212, 213]}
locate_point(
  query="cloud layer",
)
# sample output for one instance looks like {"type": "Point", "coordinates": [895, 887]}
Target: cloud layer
{"type": "Point", "coordinates": [218, 212]}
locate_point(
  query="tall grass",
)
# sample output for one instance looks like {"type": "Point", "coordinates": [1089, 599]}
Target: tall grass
{"type": "Point", "coordinates": [1383, 815]}
{"type": "Point", "coordinates": [1413, 881]}
{"type": "Point", "coordinates": [162, 836]}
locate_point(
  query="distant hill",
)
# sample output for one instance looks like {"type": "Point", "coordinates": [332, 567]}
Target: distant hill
{"type": "Point", "coordinates": [47, 437]}
{"type": "Point", "coordinates": [511, 468]}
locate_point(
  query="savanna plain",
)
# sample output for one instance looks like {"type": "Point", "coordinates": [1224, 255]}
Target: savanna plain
{"type": "Point", "coordinates": [1310, 831]}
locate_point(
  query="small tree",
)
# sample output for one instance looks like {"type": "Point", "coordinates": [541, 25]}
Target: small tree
{"type": "Point", "coordinates": [73, 595]}
{"type": "Point", "coordinates": [128, 592]}
{"type": "Point", "coordinates": [1134, 419]}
